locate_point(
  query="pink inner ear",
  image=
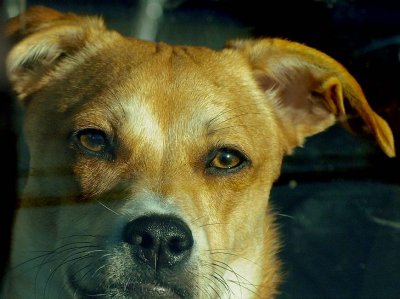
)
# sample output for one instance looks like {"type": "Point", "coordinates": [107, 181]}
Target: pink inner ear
{"type": "Point", "coordinates": [299, 103]}
{"type": "Point", "coordinates": [264, 81]}
{"type": "Point", "coordinates": [333, 96]}
{"type": "Point", "coordinates": [308, 89]}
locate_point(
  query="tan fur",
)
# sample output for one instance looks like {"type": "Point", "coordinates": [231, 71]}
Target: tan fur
{"type": "Point", "coordinates": [166, 107]}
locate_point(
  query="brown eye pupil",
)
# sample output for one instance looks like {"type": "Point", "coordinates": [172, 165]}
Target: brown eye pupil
{"type": "Point", "coordinates": [92, 140]}
{"type": "Point", "coordinates": [226, 159]}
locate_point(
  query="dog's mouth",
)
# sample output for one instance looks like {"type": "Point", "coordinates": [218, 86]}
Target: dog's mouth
{"type": "Point", "coordinates": [155, 290]}
{"type": "Point", "coordinates": [142, 290]}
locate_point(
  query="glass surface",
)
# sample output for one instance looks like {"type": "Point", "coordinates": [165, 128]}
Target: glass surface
{"type": "Point", "coordinates": [337, 199]}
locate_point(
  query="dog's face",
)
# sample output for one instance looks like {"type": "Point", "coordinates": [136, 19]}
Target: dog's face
{"type": "Point", "coordinates": [151, 165]}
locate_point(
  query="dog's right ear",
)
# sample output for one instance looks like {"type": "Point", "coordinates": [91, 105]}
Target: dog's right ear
{"type": "Point", "coordinates": [41, 39]}
{"type": "Point", "coordinates": [309, 90]}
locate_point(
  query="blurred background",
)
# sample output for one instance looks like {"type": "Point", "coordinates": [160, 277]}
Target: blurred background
{"type": "Point", "coordinates": [338, 198]}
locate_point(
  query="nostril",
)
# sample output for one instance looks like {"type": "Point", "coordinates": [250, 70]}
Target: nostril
{"type": "Point", "coordinates": [159, 241]}
{"type": "Point", "coordinates": [143, 240]}
{"type": "Point", "coordinates": [178, 245]}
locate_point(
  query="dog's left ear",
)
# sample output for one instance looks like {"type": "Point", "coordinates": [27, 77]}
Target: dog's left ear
{"type": "Point", "coordinates": [42, 38]}
{"type": "Point", "coordinates": [309, 90]}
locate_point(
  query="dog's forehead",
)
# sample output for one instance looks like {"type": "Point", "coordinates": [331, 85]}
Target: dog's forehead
{"type": "Point", "coordinates": [192, 88]}
{"type": "Point", "coordinates": [185, 72]}
{"type": "Point", "coordinates": [159, 96]}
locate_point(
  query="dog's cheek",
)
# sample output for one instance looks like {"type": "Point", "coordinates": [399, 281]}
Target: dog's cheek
{"type": "Point", "coordinates": [224, 209]}
{"type": "Point", "coordinates": [95, 176]}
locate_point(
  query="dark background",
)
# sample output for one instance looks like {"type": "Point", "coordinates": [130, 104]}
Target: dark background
{"type": "Point", "coordinates": [338, 198]}
{"type": "Point", "coordinates": [8, 157]}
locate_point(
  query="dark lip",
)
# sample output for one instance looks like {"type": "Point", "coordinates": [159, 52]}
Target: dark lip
{"type": "Point", "coordinates": [143, 290]}
{"type": "Point", "coordinates": [155, 290]}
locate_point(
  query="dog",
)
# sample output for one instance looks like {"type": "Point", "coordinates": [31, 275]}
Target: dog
{"type": "Point", "coordinates": [151, 165]}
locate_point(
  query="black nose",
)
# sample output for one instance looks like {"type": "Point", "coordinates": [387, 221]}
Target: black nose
{"type": "Point", "coordinates": [159, 241]}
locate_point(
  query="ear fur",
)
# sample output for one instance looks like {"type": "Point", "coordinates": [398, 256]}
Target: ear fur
{"type": "Point", "coordinates": [41, 39]}
{"type": "Point", "coordinates": [309, 89]}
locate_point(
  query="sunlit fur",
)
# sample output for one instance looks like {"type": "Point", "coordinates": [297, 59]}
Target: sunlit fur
{"type": "Point", "coordinates": [164, 110]}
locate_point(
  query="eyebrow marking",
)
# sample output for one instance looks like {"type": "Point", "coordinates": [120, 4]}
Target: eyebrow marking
{"type": "Point", "coordinates": [142, 122]}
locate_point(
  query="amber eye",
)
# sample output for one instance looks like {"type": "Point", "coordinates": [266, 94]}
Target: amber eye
{"type": "Point", "coordinates": [226, 160]}
{"type": "Point", "coordinates": [93, 142]}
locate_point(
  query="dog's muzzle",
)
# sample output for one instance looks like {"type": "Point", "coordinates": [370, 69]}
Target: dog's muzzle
{"type": "Point", "coordinates": [153, 258]}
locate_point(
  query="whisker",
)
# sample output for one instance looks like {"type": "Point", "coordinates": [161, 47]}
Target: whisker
{"type": "Point", "coordinates": [237, 116]}
{"type": "Point", "coordinates": [285, 215]}
{"type": "Point", "coordinates": [241, 286]}
{"type": "Point", "coordinates": [202, 290]}
{"type": "Point", "coordinates": [97, 270]}
{"type": "Point", "coordinates": [242, 282]}
{"type": "Point", "coordinates": [47, 253]}
{"type": "Point", "coordinates": [80, 270]}
{"type": "Point", "coordinates": [85, 254]}
{"type": "Point", "coordinates": [82, 277]}
{"type": "Point", "coordinates": [108, 208]}
{"type": "Point", "coordinates": [79, 250]}
{"type": "Point", "coordinates": [198, 287]}
{"type": "Point", "coordinates": [226, 267]}
{"type": "Point", "coordinates": [228, 111]}
{"type": "Point", "coordinates": [210, 132]}
{"type": "Point", "coordinates": [211, 286]}
{"type": "Point", "coordinates": [198, 219]}
{"type": "Point", "coordinates": [65, 261]}
{"type": "Point", "coordinates": [229, 268]}
{"type": "Point", "coordinates": [226, 252]}
{"type": "Point", "coordinates": [208, 224]}
{"type": "Point", "coordinates": [82, 236]}
{"type": "Point", "coordinates": [217, 276]}
{"type": "Point", "coordinates": [222, 281]}
{"type": "Point", "coordinates": [30, 260]}
{"type": "Point", "coordinates": [53, 256]}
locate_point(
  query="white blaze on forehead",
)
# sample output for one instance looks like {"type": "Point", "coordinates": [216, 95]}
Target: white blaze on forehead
{"type": "Point", "coordinates": [204, 115]}
{"type": "Point", "coordinates": [143, 123]}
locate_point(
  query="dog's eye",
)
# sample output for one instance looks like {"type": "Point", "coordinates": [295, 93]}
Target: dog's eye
{"type": "Point", "coordinates": [226, 160]}
{"type": "Point", "coordinates": [93, 141]}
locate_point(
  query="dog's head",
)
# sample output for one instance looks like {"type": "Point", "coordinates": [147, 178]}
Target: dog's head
{"type": "Point", "coordinates": [151, 164]}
